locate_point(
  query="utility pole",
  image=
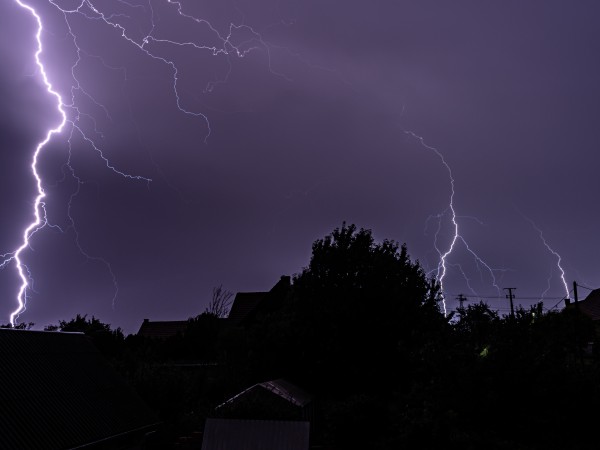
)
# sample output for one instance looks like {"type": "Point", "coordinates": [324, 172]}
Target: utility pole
{"type": "Point", "coordinates": [575, 291]}
{"type": "Point", "coordinates": [461, 299]}
{"type": "Point", "coordinates": [510, 296]}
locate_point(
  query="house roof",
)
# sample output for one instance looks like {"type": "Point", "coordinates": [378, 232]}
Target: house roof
{"type": "Point", "coordinates": [230, 434]}
{"type": "Point", "coordinates": [591, 305]}
{"type": "Point", "coordinates": [280, 387]}
{"type": "Point", "coordinates": [57, 392]}
{"type": "Point", "coordinates": [247, 304]}
{"type": "Point", "coordinates": [243, 304]}
{"type": "Point", "coordinates": [162, 329]}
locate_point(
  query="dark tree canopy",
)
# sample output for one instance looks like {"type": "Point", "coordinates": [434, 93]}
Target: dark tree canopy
{"type": "Point", "coordinates": [360, 328]}
{"type": "Point", "coordinates": [354, 315]}
{"type": "Point", "coordinates": [105, 338]}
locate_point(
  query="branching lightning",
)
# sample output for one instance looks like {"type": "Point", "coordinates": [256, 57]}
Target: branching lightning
{"type": "Point", "coordinates": [443, 263]}
{"type": "Point", "coordinates": [70, 114]}
{"type": "Point", "coordinates": [40, 219]}
{"type": "Point", "coordinates": [235, 41]}
{"type": "Point", "coordinates": [556, 255]}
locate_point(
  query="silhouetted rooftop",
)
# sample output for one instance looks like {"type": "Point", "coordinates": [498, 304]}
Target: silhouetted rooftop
{"type": "Point", "coordinates": [243, 304]}
{"type": "Point", "coordinates": [162, 329]}
{"type": "Point", "coordinates": [58, 392]}
{"type": "Point", "coordinates": [247, 305]}
{"type": "Point", "coordinates": [590, 306]}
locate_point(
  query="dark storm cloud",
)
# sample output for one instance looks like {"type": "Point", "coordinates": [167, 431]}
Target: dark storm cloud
{"type": "Point", "coordinates": [303, 136]}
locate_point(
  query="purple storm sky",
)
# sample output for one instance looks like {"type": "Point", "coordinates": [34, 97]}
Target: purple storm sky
{"type": "Point", "coordinates": [315, 109]}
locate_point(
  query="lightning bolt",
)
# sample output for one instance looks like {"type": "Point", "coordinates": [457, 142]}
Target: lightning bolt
{"type": "Point", "coordinates": [239, 40]}
{"type": "Point", "coordinates": [39, 207]}
{"type": "Point", "coordinates": [554, 252]}
{"type": "Point", "coordinates": [40, 219]}
{"type": "Point", "coordinates": [443, 264]}
{"type": "Point", "coordinates": [227, 46]}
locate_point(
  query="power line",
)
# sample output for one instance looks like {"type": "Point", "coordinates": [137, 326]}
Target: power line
{"type": "Point", "coordinates": [499, 297]}
{"type": "Point", "coordinates": [585, 287]}
{"type": "Point", "coordinates": [510, 296]}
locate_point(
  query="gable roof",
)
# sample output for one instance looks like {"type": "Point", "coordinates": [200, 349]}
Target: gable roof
{"type": "Point", "coordinates": [590, 306]}
{"type": "Point", "coordinates": [162, 329]}
{"type": "Point", "coordinates": [243, 304]}
{"type": "Point", "coordinates": [280, 387]}
{"type": "Point", "coordinates": [247, 305]}
{"type": "Point", "coordinates": [57, 392]}
{"type": "Point", "coordinates": [233, 434]}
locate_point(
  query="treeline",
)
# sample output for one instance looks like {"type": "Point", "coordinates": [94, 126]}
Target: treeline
{"type": "Point", "coordinates": [361, 329]}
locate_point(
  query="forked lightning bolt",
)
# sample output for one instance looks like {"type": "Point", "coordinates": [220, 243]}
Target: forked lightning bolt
{"type": "Point", "coordinates": [38, 205]}
{"type": "Point", "coordinates": [444, 255]}
{"type": "Point", "coordinates": [40, 219]}
{"type": "Point", "coordinates": [238, 40]}
{"type": "Point", "coordinates": [554, 252]}
{"type": "Point", "coordinates": [70, 114]}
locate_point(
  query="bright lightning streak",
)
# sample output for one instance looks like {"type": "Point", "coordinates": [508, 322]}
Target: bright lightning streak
{"type": "Point", "coordinates": [444, 255]}
{"type": "Point", "coordinates": [554, 252]}
{"type": "Point", "coordinates": [442, 268]}
{"type": "Point", "coordinates": [68, 107]}
{"type": "Point", "coordinates": [40, 219]}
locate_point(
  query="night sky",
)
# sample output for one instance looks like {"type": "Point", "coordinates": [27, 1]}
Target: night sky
{"type": "Point", "coordinates": [289, 117]}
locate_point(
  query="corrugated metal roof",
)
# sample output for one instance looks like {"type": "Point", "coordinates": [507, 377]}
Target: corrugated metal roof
{"type": "Point", "coordinates": [228, 434]}
{"type": "Point", "coordinates": [58, 392]}
{"type": "Point", "coordinates": [288, 391]}
{"type": "Point", "coordinates": [279, 387]}
{"type": "Point", "coordinates": [162, 329]}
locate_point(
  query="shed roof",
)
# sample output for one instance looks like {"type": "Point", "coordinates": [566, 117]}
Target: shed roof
{"type": "Point", "coordinates": [280, 387]}
{"type": "Point", "coordinates": [232, 434]}
{"type": "Point", "coordinates": [58, 392]}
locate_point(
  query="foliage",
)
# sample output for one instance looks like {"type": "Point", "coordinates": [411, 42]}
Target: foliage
{"type": "Point", "coordinates": [361, 329]}
{"type": "Point", "coordinates": [19, 326]}
{"type": "Point", "coordinates": [108, 341]}
{"type": "Point", "coordinates": [362, 307]}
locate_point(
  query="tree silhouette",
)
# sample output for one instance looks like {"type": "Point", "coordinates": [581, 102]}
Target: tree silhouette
{"type": "Point", "coordinates": [361, 329]}
{"type": "Point", "coordinates": [220, 302]}
{"type": "Point", "coordinates": [107, 340]}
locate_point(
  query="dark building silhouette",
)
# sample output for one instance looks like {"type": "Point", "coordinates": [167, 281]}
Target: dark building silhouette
{"type": "Point", "coordinates": [590, 305]}
{"type": "Point", "coordinates": [247, 306]}
{"type": "Point", "coordinates": [58, 392]}
{"type": "Point", "coordinates": [162, 329]}
{"type": "Point", "coordinates": [243, 305]}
